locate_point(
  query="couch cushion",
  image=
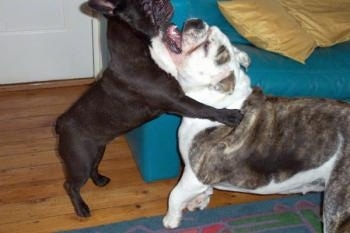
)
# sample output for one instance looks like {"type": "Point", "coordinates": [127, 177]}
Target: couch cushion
{"type": "Point", "coordinates": [181, 11]}
{"type": "Point", "coordinates": [327, 21]}
{"type": "Point", "coordinates": [326, 74]}
{"type": "Point", "coordinates": [268, 25]}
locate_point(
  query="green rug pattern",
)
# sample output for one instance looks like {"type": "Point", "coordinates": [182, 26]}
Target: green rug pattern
{"type": "Point", "coordinates": [292, 214]}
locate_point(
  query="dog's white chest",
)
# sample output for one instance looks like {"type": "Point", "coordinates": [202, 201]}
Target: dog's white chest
{"type": "Point", "coordinates": [190, 126]}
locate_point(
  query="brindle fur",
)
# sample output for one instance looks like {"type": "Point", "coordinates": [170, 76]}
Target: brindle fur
{"type": "Point", "coordinates": [272, 142]}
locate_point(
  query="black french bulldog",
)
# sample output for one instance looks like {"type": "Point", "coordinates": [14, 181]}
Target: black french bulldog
{"type": "Point", "coordinates": [132, 91]}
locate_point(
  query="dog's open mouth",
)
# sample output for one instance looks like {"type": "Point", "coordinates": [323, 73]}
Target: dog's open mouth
{"type": "Point", "coordinates": [173, 39]}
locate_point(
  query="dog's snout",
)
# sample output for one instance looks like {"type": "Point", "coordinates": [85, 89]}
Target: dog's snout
{"type": "Point", "coordinates": [197, 24]}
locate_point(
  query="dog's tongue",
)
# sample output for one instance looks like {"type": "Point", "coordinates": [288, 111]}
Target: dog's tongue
{"type": "Point", "coordinates": [173, 39]}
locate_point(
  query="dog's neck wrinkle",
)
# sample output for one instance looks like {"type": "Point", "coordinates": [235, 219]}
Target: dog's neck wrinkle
{"type": "Point", "coordinates": [241, 92]}
{"type": "Point", "coordinates": [188, 89]}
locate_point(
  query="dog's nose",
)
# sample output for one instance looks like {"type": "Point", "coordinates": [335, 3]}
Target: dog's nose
{"type": "Point", "coordinates": [197, 24]}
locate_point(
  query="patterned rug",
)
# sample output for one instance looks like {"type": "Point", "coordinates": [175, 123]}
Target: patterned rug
{"type": "Point", "coordinates": [292, 214]}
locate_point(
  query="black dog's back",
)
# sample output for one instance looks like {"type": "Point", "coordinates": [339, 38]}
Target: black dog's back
{"type": "Point", "coordinates": [106, 110]}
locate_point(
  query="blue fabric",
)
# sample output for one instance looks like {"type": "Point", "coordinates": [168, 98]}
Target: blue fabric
{"type": "Point", "coordinates": [325, 74]}
{"type": "Point", "coordinates": [181, 11]}
{"type": "Point", "coordinates": [154, 148]}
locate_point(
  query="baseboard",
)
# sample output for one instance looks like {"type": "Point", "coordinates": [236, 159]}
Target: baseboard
{"type": "Point", "coordinates": [46, 84]}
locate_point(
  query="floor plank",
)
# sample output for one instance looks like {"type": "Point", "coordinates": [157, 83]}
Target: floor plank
{"type": "Point", "coordinates": [31, 174]}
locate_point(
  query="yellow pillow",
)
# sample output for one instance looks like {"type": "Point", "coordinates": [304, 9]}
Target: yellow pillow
{"type": "Point", "coordinates": [267, 24]}
{"type": "Point", "coordinates": [327, 21]}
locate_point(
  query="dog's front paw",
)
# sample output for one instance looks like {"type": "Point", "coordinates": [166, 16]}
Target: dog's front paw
{"type": "Point", "coordinates": [242, 57]}
{"type": "Point", "coordinates": [233, 117]}
{"type": "Point", "coordinates": [171, 221]}
{"type": "Point", "coordinates": [245, 60]}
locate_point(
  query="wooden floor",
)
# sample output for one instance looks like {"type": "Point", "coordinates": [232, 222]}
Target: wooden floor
{"type": "Point", "coordinates": [32, 198]}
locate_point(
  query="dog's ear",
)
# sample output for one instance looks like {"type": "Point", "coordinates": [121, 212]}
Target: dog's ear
{"type": "Point", "coordinates": [103, 6]}
{"type": "Point", "coordinates": [242, 57]}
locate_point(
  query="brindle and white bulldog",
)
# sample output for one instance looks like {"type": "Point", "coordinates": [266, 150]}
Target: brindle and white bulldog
{"type": "Point", "coordinates": [282, 145]}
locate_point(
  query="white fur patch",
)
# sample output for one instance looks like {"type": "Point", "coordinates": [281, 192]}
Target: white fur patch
{"type": "Point", "coordinates": [161, 56]}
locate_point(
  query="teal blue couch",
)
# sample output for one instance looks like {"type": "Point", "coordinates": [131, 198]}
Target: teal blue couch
{"type": "Point", "coordinates": [326, 74]}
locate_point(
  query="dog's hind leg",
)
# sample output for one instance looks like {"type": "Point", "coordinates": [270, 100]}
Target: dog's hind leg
{"type": "Point", "coordinates": [336, 206]}
{"type": "Point", "coordinates": [78, 156]}
{"type": "Point", "coordinates": [96, 177]}
{"type": "Point", "coordinates": [73, 187]}
{"type": "Point", "coordinates": [188, 188]}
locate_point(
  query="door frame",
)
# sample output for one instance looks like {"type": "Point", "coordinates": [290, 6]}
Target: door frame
{"type": "Point", "coordinates": [98, 38]}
